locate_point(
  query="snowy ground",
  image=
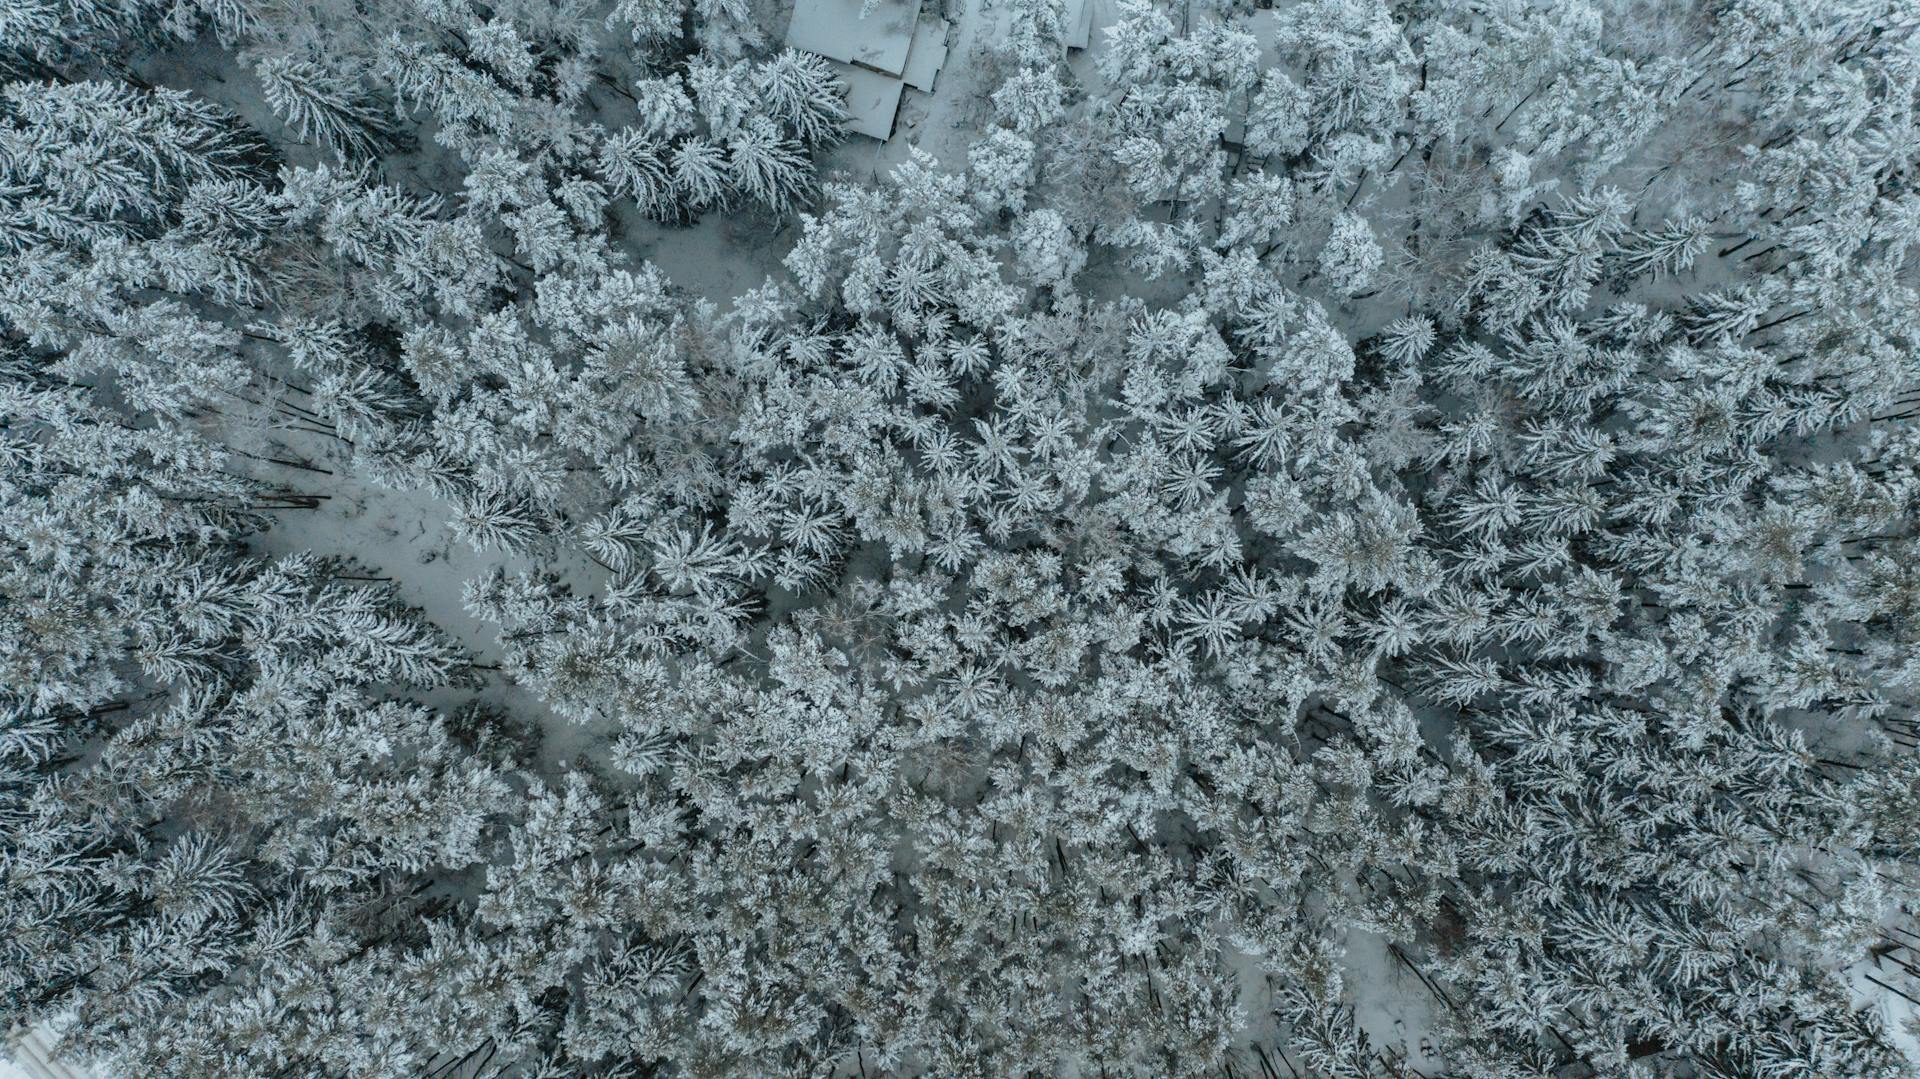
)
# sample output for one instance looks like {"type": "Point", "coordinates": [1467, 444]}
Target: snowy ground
{"type": "Point", "coordinates": [402, 535]}
{"type": "Point", "coordinates": [1901, 1016]}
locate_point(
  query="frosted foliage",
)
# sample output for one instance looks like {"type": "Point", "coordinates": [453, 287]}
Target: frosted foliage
{"type": "Point", "coordinates": [1351, 540]}
{"type": "Point", "coordinates": [1352, 256]}
{"type": "Point", "coordinates": [1046, 252]}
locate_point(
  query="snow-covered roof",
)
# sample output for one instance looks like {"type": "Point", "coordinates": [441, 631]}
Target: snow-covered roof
{"type": "Point", "coordinates": [835, 30]}
{"type": "Point", "coordinates": [31, 1057]}
{"type": "Point", "coordinates": [876, 57]}
{"type": "Point", "coordinates": [872, 100]}
{"type": "Point", "coordinates": [927, 54]}
{"type": "Point", "coordinates": [1079, 23]}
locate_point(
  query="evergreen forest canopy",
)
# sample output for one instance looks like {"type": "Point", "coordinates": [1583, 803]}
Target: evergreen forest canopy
{"type": "Point", "coordinates": [1359, 500]}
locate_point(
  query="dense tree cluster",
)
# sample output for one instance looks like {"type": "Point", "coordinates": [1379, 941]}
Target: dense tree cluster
{"type": "Point", "coordinates": [1439, 474]}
